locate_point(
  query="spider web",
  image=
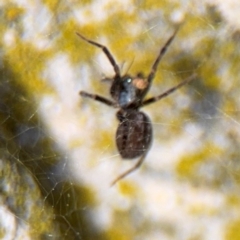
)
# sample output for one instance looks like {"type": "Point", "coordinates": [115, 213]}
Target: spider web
{"type": "Point", "coordinates": [58, 155]}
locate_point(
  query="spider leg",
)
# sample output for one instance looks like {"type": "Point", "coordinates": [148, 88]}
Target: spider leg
{"type": "Point", "coordinates": [136, 166]}
{"type": "Point", "coordinates": [171, 90]}
{"type": "Point", "coordinates": [158, 59]}
{"type": "Point", "coordinates": [98, 98]}
{"type": "Point", "coordinates": [106, 51]}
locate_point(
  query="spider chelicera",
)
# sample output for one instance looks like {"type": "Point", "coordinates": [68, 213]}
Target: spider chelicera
{"type": "Point", "coordinates": [134, 133]}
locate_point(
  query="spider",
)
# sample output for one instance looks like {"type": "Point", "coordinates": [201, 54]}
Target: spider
{"type": "Point", "coordinates": [134, 132]}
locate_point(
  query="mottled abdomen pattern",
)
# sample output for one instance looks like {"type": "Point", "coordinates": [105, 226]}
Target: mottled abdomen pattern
{"type": "Point", "coordinates": [134, 134]}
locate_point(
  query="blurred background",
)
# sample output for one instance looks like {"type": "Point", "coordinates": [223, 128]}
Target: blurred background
{"type": "Point", "coordinates": [58, 154]}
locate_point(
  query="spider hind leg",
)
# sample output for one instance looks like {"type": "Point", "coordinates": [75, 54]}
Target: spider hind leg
{"type": "Point", "coordinates": [132, 169]}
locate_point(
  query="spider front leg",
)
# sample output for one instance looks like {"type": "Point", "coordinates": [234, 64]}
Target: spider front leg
{"type": "Point", "coordinates": [98, 98]}
{"type": "Point", "coordinates": [106, 51]}
{"type": "Point", "coordinates": [156, 63]}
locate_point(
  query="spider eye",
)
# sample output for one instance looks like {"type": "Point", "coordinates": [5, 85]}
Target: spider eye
{"type": "Point", "coordinates": [129, 80]}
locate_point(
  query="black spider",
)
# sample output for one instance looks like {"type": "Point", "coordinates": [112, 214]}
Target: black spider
{"type": "Point", "coordinates": [134, 133]}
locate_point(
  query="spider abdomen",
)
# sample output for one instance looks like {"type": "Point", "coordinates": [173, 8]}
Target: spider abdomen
{"type": "Point", "coordinates": [134, 133]}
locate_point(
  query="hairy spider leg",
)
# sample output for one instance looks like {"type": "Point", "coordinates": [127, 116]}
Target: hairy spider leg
{"type": "Point", "coordinates": [168, 92]}
{"type": "Point", "coordinates": [132, 169]}
{"type": "Point", "coordinates": [106, 51]}
{"type": "Point", "coordinates": [157, 61]}
{"type": "Point", "coordinates": [98, 98]}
